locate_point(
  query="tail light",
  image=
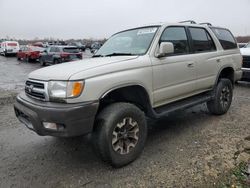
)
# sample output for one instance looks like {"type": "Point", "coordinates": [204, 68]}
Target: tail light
{"type": "Point", "coordinates": [63, 55]}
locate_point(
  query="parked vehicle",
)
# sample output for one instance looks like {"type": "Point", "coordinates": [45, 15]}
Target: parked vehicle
{"type": "Point", "coordinates": [40, 44]}
{"type": "Point", "coordinates": [79, 45]}
{"type": "Point", "coordinates": [29, 53]}
{"type": "Point", "coordinates": [59, 54]}
{"type": "Point", "coordinates": [95, 47]}
{"type": "Point", "coordinates": [148, 71]}
{"type": "Point", "coordinates": [242, 45]}
{"type": "Point", "coordinates": [246, 62]}
{"type": "Point", "coordinates": [9, 48]}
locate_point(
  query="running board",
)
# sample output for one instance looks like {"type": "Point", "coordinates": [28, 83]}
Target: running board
{"type": "Point", "coordinates": [182, 104]}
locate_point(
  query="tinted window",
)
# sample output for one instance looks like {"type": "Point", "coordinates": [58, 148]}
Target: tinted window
{"type": "Point", "coordinates": [176, 35]}
{"type": "Point", "coordinates": [225, 37]}
{"type": "Point", "coordinates": [202, 41]}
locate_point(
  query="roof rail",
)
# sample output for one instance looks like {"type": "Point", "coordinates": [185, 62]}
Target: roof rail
{"type": "Point", "coordinates": [190, 21]}
{"type": "Point", "coordinates": [206, 23]}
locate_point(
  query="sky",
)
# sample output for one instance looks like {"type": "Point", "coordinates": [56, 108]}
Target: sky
{"type": "Point", "coordinates": [78, 19]}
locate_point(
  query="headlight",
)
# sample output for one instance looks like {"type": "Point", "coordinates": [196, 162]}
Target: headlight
{"type": "Point", "coordinates": [65, 89]}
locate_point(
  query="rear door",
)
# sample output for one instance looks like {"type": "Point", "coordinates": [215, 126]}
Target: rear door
{"type": "Point", "coordinates": [174, 76]}
{"type": "Point", "coordinates": [205, 54]}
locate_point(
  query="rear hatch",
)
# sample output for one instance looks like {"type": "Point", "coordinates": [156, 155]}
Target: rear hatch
{"type": "Point", "coordinates": [71, 54]}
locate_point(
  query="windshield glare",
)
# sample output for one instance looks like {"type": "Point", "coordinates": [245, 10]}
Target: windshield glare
{"type": "Point", "coordinates": [132, 42]}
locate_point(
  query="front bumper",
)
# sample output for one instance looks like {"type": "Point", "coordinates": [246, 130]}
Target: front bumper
{"type": "Point", "coordinates": [238, 75]}
{"type": "Point", "coordinates": [76, 119]}
{"type": "Point", "coordinates": [246, 74]}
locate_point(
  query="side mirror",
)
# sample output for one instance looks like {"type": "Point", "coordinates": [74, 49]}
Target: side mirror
{"type": "Point", "coordinates": [166, 48]}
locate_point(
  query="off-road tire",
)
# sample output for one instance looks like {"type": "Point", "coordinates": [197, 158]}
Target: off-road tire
{"type": "Point", "coordinates": [223, 95]}
{"type": "Point", "coordinates": [103, 138]}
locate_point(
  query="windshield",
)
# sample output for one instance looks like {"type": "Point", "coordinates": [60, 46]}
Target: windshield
{"type": "Point", "coordinates": [248, 45]}
{"type": "Point", "coordinates": [131, 42]}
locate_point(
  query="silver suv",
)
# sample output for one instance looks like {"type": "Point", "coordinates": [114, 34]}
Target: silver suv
{"type": "Point", "coordinates": [142, 72]}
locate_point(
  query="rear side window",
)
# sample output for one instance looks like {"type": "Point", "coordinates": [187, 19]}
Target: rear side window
{"type": "Point", "coordinates": [226, 38]}
{"type": "Point", "coordinates": [202, 41]}
{"type": "Point", "coordinates": [176, 35]}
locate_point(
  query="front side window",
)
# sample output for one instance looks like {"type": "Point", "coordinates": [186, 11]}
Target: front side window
{"type": "Point", "coordinates": [132, 42]}
{"type": "Point", "coordinates": [202, 41]}
{"type": "Point", "coordinates": [177, 36]}
{"type": "Point", "coordinates": [226, 38]}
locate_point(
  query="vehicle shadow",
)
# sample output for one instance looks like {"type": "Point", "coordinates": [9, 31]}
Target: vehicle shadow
{"type": "Point", "coordinates": [162, 130]}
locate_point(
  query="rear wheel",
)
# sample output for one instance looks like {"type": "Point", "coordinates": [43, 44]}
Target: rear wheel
{"type": "Point", "coordinates": [223, 98]}
{"type": "Point", "coordinates": [120, 133]}
{"type": "Point", "coordinates": [56, 61]}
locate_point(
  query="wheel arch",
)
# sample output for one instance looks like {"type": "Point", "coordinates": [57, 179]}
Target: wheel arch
{"type": "Point", "coordinates": [131, 93]}
{"type": "Point", "coordinates": [226, 72]}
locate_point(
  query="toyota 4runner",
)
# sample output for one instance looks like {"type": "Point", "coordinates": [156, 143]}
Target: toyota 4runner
{"type": "Point", "coordinates": [143, 72]}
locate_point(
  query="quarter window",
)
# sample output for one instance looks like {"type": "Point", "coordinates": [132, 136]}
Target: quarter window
{"type": "Point", "coordinates": [202, 41]}
{"type": "Point", "coordinates": [226, 38]}
{"type": "Point", "coordinates": [178, 36]}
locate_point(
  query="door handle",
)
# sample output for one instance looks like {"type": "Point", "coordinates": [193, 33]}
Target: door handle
{"type": "Point", "coordinates": [190, 65]}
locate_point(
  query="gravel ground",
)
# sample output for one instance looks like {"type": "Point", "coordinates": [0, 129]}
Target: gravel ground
{"type": "Point", "coordinates": [186, 149]}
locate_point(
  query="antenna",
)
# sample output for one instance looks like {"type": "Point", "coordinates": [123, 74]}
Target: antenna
{"type": "Point", "coordinates": [190, 21]}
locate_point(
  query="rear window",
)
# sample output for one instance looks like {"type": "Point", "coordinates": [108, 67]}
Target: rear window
{"type": "Point", "coordinates": [226, 38]}
{"type": "Point", "coordinates": [12, 44]}
{"type": "Point", "coordinates": [71, 50]}
{"type": "Point", "coordinates": [35, 48]}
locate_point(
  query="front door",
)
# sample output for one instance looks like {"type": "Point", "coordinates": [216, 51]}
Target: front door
{"type": "Point", "coordinates": [174, 76]}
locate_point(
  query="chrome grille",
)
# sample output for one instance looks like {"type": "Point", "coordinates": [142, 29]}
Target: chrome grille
{"type": "Point", "coordinates": [36, 89]}
{"type": "Point", "coordinates": [246, 62]}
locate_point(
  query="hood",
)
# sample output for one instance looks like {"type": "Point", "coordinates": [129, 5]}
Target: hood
{"type": "Point", "coordinates": [245, 51]}
{"type": "Point", "coordinates": [65, 70]}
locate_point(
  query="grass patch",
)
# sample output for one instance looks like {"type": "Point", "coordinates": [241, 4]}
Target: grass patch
{"type": "Point", "coordinates": [238, 177]}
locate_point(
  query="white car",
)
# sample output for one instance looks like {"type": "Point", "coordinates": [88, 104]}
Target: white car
{"type": "Point", "coordinates": [246, 62]}
{"type": "Point", "coordinates": [9, 48]}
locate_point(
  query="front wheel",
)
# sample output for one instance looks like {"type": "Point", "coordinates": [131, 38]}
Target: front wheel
{"type": "Point", "coordinates": [222, 99]}
{"type": "Point", "coordinates": [120, 133]}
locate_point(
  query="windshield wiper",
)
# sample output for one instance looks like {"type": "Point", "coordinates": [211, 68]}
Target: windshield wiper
{"type": "Point", "coordinates": [119, 54]}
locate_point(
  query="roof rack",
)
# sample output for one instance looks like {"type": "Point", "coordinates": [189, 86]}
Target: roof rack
{"type": "Point", "coordinates": [190, 21]}
{"type": "Point", "coordinates": [206, 23]}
